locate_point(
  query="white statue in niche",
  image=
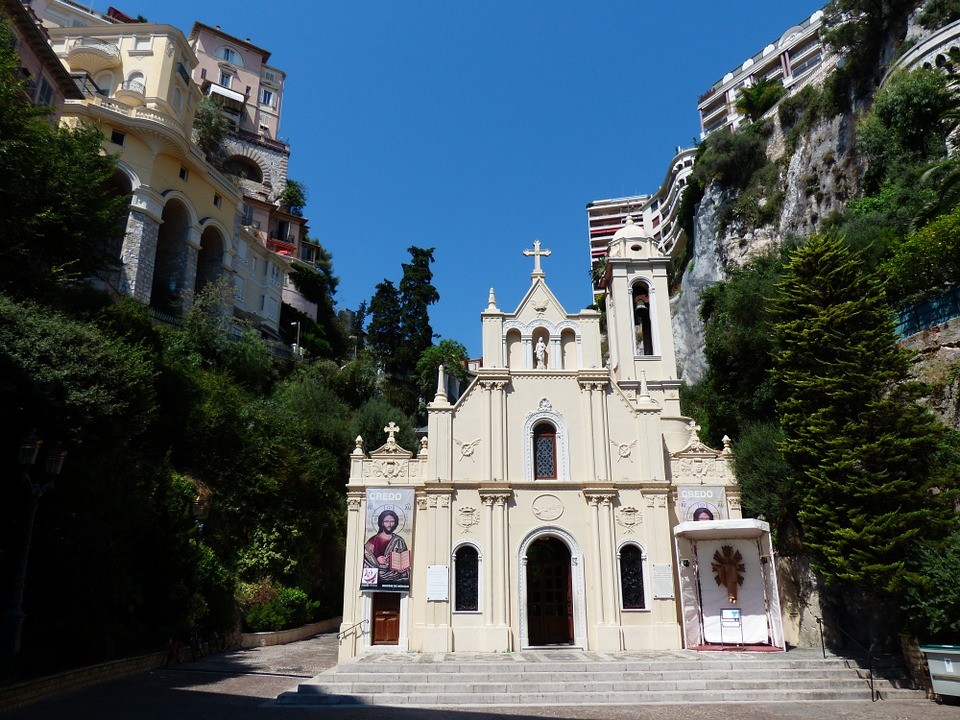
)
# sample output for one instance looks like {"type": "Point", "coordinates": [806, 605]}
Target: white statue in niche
{"type": "Point", "coordinates": [540, 351]}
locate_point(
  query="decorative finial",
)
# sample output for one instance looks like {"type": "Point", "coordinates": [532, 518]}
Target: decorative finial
{"type": "Point", "coordinates": [358, 450]}
{"type": "Point", "coordinates": [441, 389]}
{"type": "Point", "coordinates": [537, 253]}
{"type": "Point", "coordinates": [492, 301]}
{"type": "Point", "coordinates": [727, 450]}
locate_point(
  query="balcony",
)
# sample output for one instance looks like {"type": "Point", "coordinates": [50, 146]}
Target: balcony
{"type": "Point", "coordinates": [282, 245]}
{"type": "Point", "coordinates": [132, 92]}
{"type": "Point", "coordinates": [93, 55]}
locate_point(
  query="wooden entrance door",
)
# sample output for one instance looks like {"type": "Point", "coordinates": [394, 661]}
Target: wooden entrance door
{"type": "Point", "coordinates": [549, 593]}
{"type": "Point", "coordinates": [386, 618]}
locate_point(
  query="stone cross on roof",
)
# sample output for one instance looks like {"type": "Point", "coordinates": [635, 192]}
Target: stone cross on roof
{"type": "Point", "coordinates": [537, 253]}
{"type": "Point", "coordinates": [390, 430]}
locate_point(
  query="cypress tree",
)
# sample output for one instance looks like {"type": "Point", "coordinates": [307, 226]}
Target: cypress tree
{"type": "Point", "coordinates": [862, 449]}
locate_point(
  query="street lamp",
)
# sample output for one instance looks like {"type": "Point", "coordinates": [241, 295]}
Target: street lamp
{"type": "Point", "coordinates": [13, 617]}
{"type": "Point", "coordinates": [297, 350]}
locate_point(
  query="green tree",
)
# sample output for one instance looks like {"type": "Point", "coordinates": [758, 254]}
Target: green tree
{"type": "Point", "coordinates": [322, 337]}
{"type": "Point", "coordinates": [294, 197]}
{"type": "Point", "coordinates": [211, 128]}
{"type": "Point", "coordinates": [926, 263]}
{"type": "Point", "coordinates": [384, 333]}
{"type": "Point", "coordinates": [449, 353]}
{"type": "Point", "coordinates": [417, 294]}
{"type": "Point", "coordinates": [862, 449]}
{"type": "Point", "coordinates": [755, 100]}
{"type": "Point", "coordinates": [58, 214]}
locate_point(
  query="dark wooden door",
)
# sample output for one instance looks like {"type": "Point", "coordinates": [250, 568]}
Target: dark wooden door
{"type": "Point", "coordinates": [386, 618]}
{"type": "Point", "coordinates": [549, 597]}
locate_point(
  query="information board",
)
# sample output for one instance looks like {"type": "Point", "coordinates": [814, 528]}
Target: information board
{"type": "Point", "coordinates": [438, 583]}
{"type": "Point", "coordinates": [661, 578]}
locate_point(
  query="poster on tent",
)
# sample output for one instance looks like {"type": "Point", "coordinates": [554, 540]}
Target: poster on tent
{"type": "Point", "coordinates": [701, 502]}
{"type": "Point", "coordinates": [388, 528]}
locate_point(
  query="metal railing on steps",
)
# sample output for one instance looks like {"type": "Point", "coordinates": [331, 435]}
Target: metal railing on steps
{"type": "Point", "coordinates": [874, 693]}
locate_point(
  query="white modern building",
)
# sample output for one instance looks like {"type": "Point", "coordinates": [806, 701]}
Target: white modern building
{"type": "Point", "coordinates": [797, 59]}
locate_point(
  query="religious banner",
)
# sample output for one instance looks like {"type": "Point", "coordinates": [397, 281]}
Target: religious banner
{"type": "Point", "coordinates": [386, 554]}
{"type": "Point", "coordinates": [699, 502]}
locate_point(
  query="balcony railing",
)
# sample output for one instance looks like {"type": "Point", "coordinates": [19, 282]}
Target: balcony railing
{"type": "Point", "coordinates": [107, 48]}
{"type": "Point", "coordinates": [136, 86]}
{"type": "Point", "coordinates": [182, 72]}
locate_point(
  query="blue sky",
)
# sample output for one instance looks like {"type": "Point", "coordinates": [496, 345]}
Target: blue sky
{"type": "Point", "coordinates": [476, 128]}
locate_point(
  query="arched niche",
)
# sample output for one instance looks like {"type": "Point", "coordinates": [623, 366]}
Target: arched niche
{"type": "Point", "coordinates": [167, 293]}
{"type": "Point", "coordinates": [514, 343]}
{"type": "Point", "coordinates": [210, 258]}
{"type": "Point", "coordinates": [568, 349]}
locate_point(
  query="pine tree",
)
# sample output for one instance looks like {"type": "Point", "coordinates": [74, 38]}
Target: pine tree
{"type": "Point", "coordinates": [417, 294]}
{"type": "Point", "coordinates": [861, 448]}
{"type": "Point", "coordinates": [383, 333]}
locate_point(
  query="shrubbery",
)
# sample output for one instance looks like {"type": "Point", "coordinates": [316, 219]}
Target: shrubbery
{"type": "Point", "coordinates": [289, 608]}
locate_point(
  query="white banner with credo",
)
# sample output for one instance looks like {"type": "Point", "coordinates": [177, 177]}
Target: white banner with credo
{"type": "Point", "coordinates": [732, 590]}
{"type": "Point", "coordinates": [701, 502]}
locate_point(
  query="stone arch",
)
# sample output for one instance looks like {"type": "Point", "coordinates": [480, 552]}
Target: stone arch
{"type": "Point", "coordinates": [242, 153]}
{"type": "Point", "coordinates": [645, 574]}
{"type": "Point", "coordinates": [513, 349]}
{"type": "Point", "coordinates": [643, 307]}
{"type": "Point", "coordinates": [569, 357]}
{"type": "Point", "coordinates": [576, 581]}
{"type": "Point", "coordinates": [170, 292]}
{"type": "Point", "coordinates": [454, 602]}
{"type": "Point", "coordinates": [210, 257]}
{"type": "Point", "coordinates": [245, 167]}
{"type": "Point", "coordinates": [131, 175]}
{"type": "Point", "coordinates": [119, 185]}
{"type": "Point", "coordinates": [546, 413]}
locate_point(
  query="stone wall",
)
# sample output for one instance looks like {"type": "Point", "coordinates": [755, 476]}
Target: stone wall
{"type": "Point", "coordinates": [937, 363]}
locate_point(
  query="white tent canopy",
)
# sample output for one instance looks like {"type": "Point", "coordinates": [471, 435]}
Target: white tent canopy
{"type": "Point", "coordinates": [712, 614]}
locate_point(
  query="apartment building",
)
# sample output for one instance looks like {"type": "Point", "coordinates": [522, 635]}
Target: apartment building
{"type": "Point", "coordinates": [249, 91]}
{"type": "Point", "coordinates": [657, 214]}
{"type": "Point", "coordinates": [46, 81]}
{"type": "Point", "coordinates": [796, 59]}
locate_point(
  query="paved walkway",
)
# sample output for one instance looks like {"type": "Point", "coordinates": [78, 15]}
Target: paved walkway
{"type": "Point", "coordinates": [242, 685]}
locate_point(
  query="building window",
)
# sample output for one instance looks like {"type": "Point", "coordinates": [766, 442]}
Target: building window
{"type": "Point", "coordinates": [466, 579]}
{"type": "Point", "coordinates": [253, 265]}
{"type": "Point", "coordinates": [228, 54]}
{"type": "Point", "coordinates": [117, 137]}
{"type": "Point", "coordinates": [44, 93]}
{"type": "Point", "coordinates": [631, 578]}
{"type": "Point", "coordinates": [184, 173]}
{"type": "Point", "coordinates": [177, 99]}
{"type": "Point", "coordinates": [269, 76]}
{"type": "Point", "coordinates": [217, 200]}
{"type": "Point", "coordinates": [266, 97]}
{"type": "Point", "coordinates": [246, 215]}
{"type": "Point", "coordinates": [545, 452]}
{"type": "Point", "coordinates": [225, 79]}
{"type": "Point", "coordinates": [203, 73]}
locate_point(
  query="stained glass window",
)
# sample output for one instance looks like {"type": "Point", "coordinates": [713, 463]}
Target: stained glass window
{"type": "Point", "coordinates": [545, 451]}
{"type": "Point", "coordinates": [467, 579]}
{"type": "Point", "coordinates": [631, 577]}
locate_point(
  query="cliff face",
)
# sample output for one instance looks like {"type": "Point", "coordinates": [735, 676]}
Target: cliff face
{"type": "Point", "coordinates": [822, 174]}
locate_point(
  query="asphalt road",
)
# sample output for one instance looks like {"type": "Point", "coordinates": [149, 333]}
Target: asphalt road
{"type": "Point", "coordinates": [243, 684]}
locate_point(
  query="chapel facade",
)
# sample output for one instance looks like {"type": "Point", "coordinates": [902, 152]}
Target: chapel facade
{"type": "Point", "coordinates": [562, 500]}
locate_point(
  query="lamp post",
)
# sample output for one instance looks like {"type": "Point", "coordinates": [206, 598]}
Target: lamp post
{"type": "Point", "coordinates": [297, 351]}
{"type": "Point", "coordinates": [13, 616]}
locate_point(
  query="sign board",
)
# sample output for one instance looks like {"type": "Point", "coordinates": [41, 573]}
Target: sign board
{"type": "Point", "coordinates": [438, 583]}
{"type": "Point", "coordinates": [386, 555]}
{"type": "Point", "coordinates": [661, 578]}
{"type": "Point", "coordinates": [730, 617]}
{"type": "Point", "coordinates": [700, 502]}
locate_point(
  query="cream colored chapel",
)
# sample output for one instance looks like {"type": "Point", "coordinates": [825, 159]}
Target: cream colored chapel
{"type": "Point", "coordinates": [562, 500]}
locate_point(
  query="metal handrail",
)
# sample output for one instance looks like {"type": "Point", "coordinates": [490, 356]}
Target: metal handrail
{"type": "Point", "coordinates": [874, 693]}
{"type": "Point", "coordinates": [342, 635]}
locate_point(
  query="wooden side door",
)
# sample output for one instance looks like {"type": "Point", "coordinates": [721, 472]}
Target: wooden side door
{"type": "Point", "coordinates": [386, 618]}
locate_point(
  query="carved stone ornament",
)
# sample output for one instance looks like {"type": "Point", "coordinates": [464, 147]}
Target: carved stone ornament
{"type": "Point", "coordinates": [445, 501]}
{"type": "Point", "coordinates": [467, 449]}
{"type": "Point", "coordinates": [421, 503]}
{"type": "Point", "coordinates": [661, 501]}
{"type": "Point", "coordinates": [547, 507]}
{"type": "Point", "coordinates": [628, 518]}
{"type": "Point", "coordinates": [353, 503]}
{"type": "Point", "coordinates": [432, 501]}
{"type": "Point", "coordinates": [623, 450]}
{"type": "Point", "coordinates": [650, 500]}
{"type": "Point", "coordinates": [468, 518]}
{"type": "Point", "coordinates": [734, 501]}
{"type": "Point", "coordinates": [387, 469]}
{"type": "Point", "coordinates": [694, 444]}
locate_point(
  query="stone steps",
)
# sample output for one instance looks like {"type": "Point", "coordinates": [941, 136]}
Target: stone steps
{"type": "Point", "coordinates": [541, 679]}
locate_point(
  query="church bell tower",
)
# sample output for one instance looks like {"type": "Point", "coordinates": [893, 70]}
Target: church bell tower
{"type": "Point", "coordinates": [639, 334]}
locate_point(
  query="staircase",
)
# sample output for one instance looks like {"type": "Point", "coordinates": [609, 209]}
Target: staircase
{"type": "Point", "coordinates": [574, 677]}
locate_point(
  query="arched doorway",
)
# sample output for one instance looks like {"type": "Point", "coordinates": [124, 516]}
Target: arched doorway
{"type": "Point", "coordinates": [168, 288]}
{"type": "Point", "coordinates": [549, 593]}
{"type": "Point", "coordinates": [210, 259]}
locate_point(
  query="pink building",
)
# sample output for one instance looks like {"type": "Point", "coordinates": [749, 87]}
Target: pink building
{"type": "Point", "coordinates": [48, 82]}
